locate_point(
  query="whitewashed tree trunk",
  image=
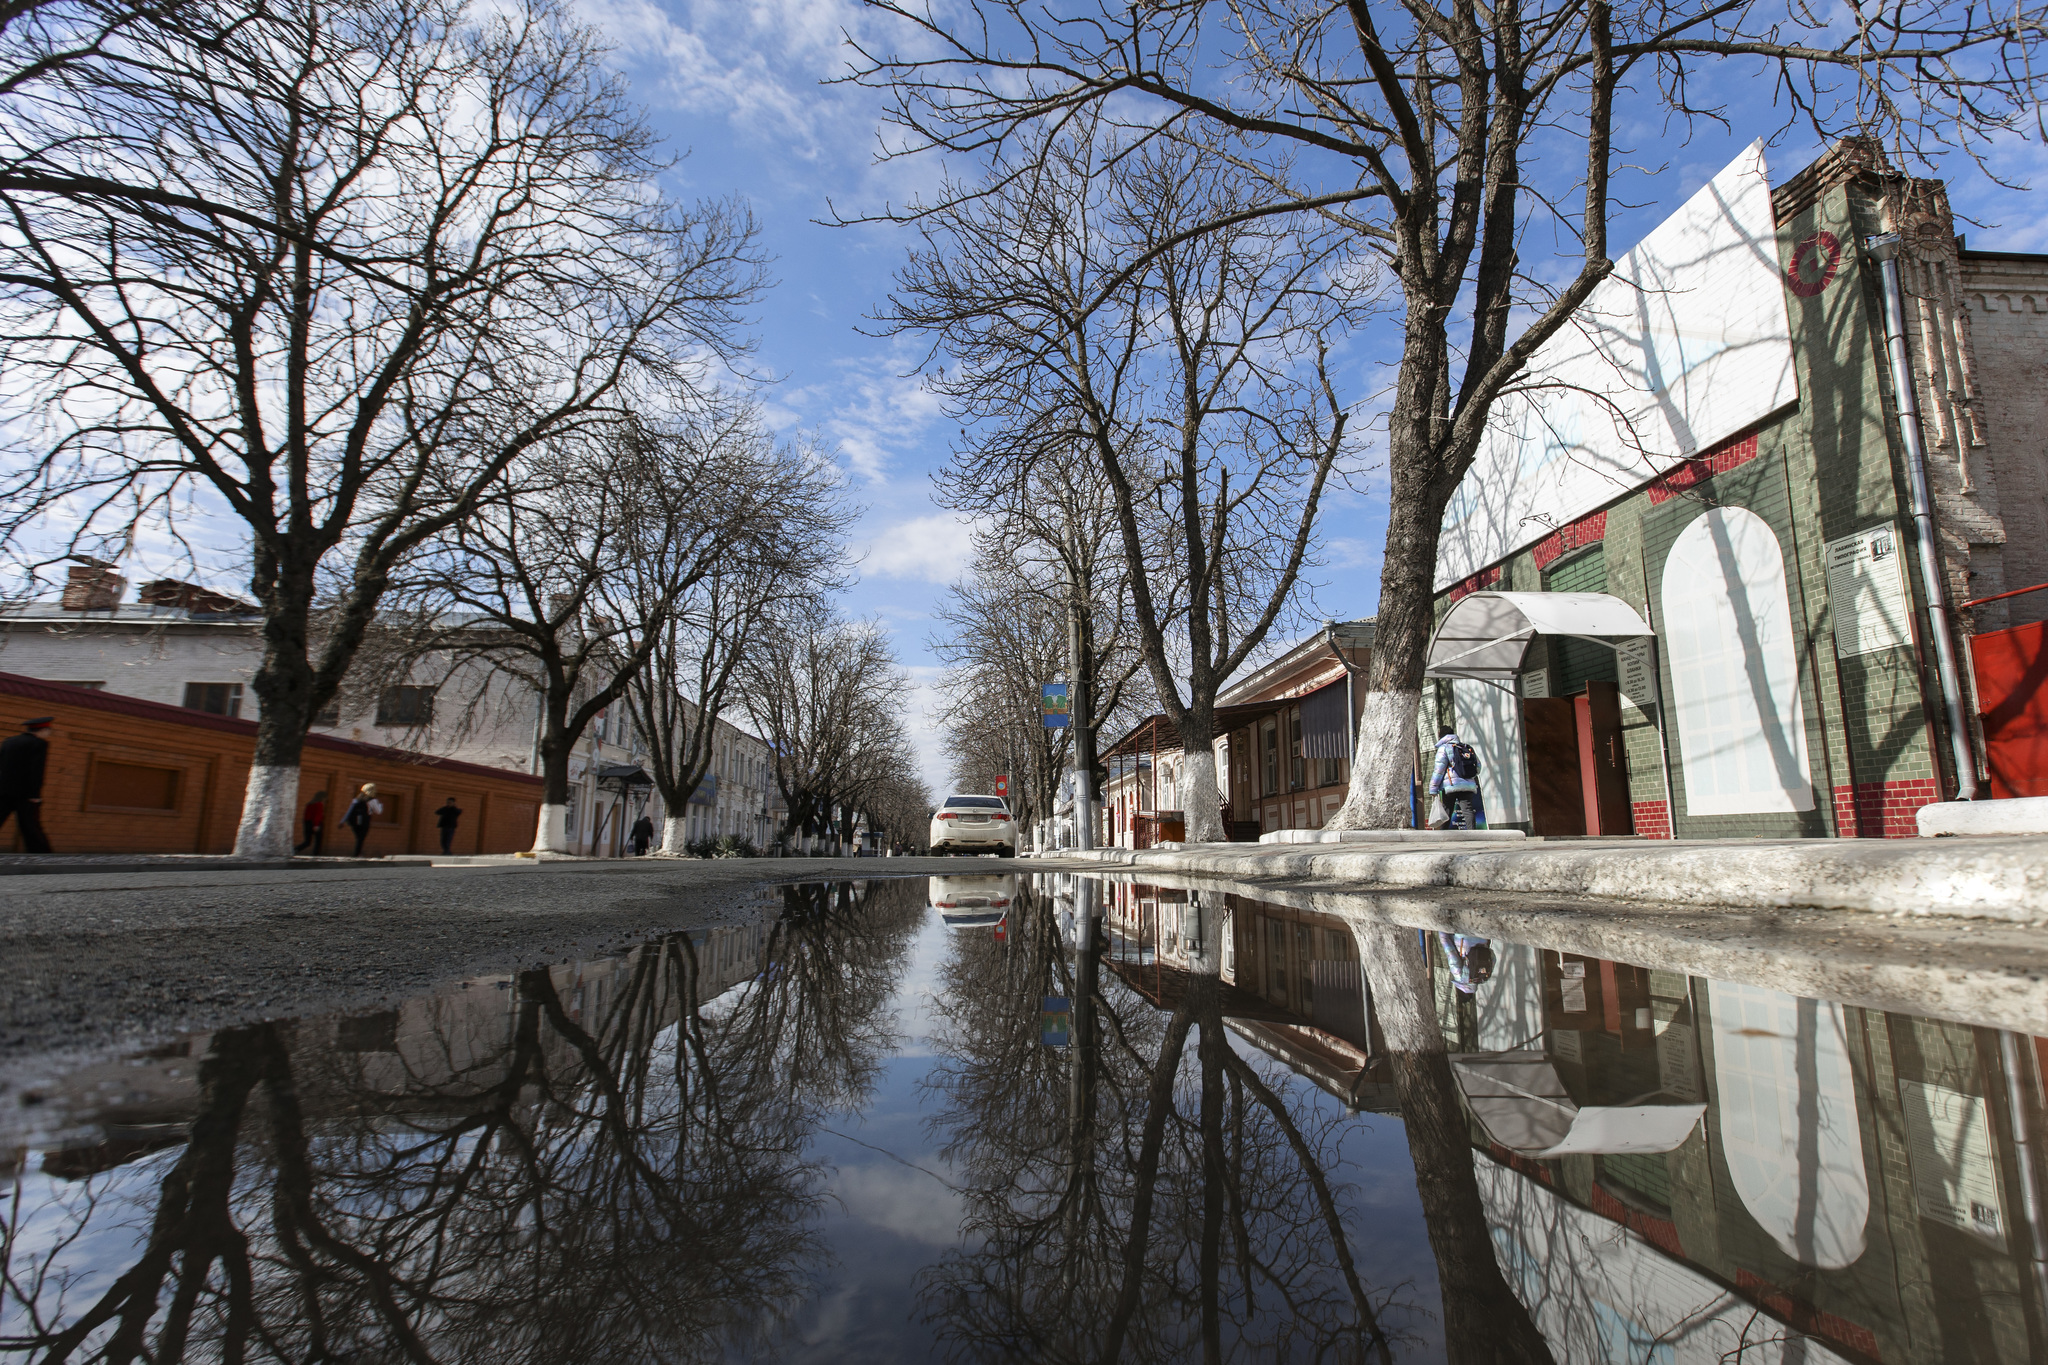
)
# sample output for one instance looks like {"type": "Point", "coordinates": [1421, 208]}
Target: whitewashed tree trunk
{"type": "Point", "coordinates": [1383, 766]}
{"type": "Point", "coordinates": [1201, 800]}
{"type": "Point", "coordinates": [269, 812]}
{"type": "Point", "coordinates": [551, 831]}
{"type": "Point", "coordinates": [675, 836]}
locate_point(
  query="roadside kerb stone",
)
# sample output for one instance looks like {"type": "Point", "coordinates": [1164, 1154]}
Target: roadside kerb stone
{"type": "Point", "coordinates": [1991, 878]}
{"type": "Point", "coordinates": [1992, 974]}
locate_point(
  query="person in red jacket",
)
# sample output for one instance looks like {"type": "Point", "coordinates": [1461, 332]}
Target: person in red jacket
{"type": "Point", "coordinates": [316, 824]}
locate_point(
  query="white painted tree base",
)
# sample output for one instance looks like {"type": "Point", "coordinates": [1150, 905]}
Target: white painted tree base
{"type": "Point", "coordinates": [1382, 765]}
{"type": "Point", "coordinates": [1202, 804]}
{"type": "Point", "coordinates": [269, 826]}
{"type": "Point", "coordinates": [551, 830]}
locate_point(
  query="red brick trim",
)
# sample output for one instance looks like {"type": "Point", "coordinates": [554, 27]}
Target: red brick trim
{"type": "Point", "coordinates": [1661, 1233]}
{"type": "Point", "coordinates": [1653, 819]}
{"type": "Point", "coordinates": [1587, 530]}
{"type": "Point", "coordinates": [1883, 810]}
{"type": "Point", "coordinates": [1697, 470]}
{"type": "Point", "coordinates": [1804, 1317]}
{"type": "Point", "coordinates": [15, 685]}
{"type": "Point", "coordinates": [1485, 578]}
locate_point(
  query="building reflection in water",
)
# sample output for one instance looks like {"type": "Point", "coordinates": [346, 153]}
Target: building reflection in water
{"type": "Point", "coordinates": [1864, 1186]}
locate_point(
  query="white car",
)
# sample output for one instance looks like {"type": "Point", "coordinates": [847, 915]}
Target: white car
{"type": "Point", "coordinates": [967, 823]}
{"type": "Point", "coordinates": [974, 902]}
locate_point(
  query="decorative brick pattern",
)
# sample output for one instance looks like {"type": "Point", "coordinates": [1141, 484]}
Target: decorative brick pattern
{"type": "Point", "coordinates": [1587, 530]}
{"type": "Point", "coordinates": [1696, 471]}
{"type": "Point", "coordinates": [1484, 579]}
{"type": "Point", "coordinates": [1883, 810]}
{"type": "Point", "coordinates": [1806, 1318]}
{"type": "Point", "coordinates": [1653, 819]}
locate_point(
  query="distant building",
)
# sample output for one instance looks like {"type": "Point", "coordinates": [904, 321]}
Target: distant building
{"type": "Point", "coordinates": [187, 646]}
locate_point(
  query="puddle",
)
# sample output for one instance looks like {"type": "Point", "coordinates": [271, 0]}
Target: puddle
{"type": "Point", "coordinates": [998, 1117]}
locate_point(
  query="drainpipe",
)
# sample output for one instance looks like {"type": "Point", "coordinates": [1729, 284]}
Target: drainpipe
{"type": "Point", "coordinates": [1885, 248]}
{"type": "Point", "coordinates": [2026, 1144]}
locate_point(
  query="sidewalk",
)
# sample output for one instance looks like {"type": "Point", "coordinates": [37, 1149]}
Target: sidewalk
{"type": "Point", "coordinates": [2001, 878]}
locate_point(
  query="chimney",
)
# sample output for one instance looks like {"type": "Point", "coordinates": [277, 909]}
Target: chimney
{"type": "Point", "coordinates": [93, 586]}
{"type": "Point", "coordinates": [169, 592]}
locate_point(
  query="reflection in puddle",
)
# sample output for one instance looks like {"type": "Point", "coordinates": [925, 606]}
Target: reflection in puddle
{"type": "Point", "coordinates": [1003, 1117]}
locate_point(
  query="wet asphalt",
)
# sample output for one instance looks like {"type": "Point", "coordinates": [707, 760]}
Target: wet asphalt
{"type": "Point", "coordinates": [102, 962]}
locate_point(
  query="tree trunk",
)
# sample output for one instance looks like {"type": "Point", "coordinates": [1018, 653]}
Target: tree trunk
{"type": "Point", "coordinates": [283, 685]}
{"type": "Point", "coordinates": [1201, 798]}
{"type": "Point", "coordinates": [675, 836]}
{"type": "Point", "coordinates": [1483, 1320]}
{"type": "Point", "coordinates": [551, 831]}
{"type": "Point", "coordinates": [1383, 766]}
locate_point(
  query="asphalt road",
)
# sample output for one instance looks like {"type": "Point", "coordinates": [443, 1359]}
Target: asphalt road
{"type": "Point", "coordinates": [110, 961]}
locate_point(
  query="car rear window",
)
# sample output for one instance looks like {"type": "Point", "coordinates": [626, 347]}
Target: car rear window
{"type": "Point", "coordinates": [975, 803]}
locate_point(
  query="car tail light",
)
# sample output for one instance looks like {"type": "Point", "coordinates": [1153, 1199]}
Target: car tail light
{"type": "Point", "coordinates": [947, 815]}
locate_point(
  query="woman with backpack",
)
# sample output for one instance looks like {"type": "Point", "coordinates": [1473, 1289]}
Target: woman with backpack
{"type": "Point", "coordinates": [1455, 777]}
{"type": "Point", "coordinates": [359, 813]}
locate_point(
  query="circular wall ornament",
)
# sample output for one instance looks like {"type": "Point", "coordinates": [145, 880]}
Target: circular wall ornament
{"type": "Point", "coordinates": [1814, 263]}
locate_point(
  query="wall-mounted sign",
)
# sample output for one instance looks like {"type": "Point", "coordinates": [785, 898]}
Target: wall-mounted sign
{"type": "Point", "coordinates": [1867, 592]}
{"type": "Point", "coordinates": [1635, 667]}
{"type": "Point", "coordinates": [1052, 702]}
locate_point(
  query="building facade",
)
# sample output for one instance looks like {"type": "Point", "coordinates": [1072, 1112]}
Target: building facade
{"type": "Point", "coordinates": [181, 646]}
{"type": "Point", "coordinates": [1758, 517]}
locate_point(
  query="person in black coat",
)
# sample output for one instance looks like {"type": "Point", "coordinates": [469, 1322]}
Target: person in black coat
{"type": "Point", "coordinates": [445, 820]}
{"type": "Point", "coordinates": [643, 835]}
{"type": "Point", "coordinates": [22, 761]}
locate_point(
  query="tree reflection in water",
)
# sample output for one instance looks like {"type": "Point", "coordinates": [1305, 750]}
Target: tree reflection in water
{"type": "Point", "coordinates": [622, 1182]}
{"type": "Point", "coordinates": [1128, 1201]}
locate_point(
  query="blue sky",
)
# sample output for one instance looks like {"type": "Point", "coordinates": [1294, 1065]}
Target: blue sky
{"type": "Point", "coordinates": [738, 89]}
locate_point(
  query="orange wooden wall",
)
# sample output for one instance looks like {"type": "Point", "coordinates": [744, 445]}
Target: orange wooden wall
{"type": "Point", "coordinates": [130, 776]}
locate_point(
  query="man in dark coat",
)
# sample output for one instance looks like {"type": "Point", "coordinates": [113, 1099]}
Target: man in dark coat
{"type": "Point", "coordinates": [22, 760]}
{"type": "Point", "coordinates": [445, 820]}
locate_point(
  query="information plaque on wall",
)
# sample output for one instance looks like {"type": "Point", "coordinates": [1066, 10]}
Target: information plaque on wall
{"type": "Point", "coordinates": [1867, 591]}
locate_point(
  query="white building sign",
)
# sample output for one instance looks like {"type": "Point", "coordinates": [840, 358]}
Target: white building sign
{"type": "Point", "coordinates": [1686, 344]}
{"type": "Point", "coordinates": [1867, 592]}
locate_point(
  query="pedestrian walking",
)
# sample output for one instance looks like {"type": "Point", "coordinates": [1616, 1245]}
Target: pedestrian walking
{"type": "Point", "coordinates": [22, 761]}
{"type": "Point", "coordinates": [1470, 958]}
{"type": "Point", "coordinates": [316, 824]}
{"type": "Point", "coordinates": [445, 820]}
{"type": "Point", "coordinates": [1455, 777]}
{"type": "Point", "coordinates": [360, 812]}
{"type": "Point", "coordinates": [643, 836]}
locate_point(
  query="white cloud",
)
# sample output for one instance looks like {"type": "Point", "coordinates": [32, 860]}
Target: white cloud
{"type": "Point", "coordinates": [932, 549]}
{"type": "Point", "coordinates": [908, 1203]}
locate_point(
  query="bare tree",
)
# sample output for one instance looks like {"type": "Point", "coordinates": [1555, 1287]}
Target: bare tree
{"type": "Point", "coordinates": [825, 694]}
{"type": "Point", "coordinates": [329, 268]}
{"type": "Point", "coordinates": [1194, 383]}
{"type": "Point", "coordinates": [569, 572]}
{"type": "Point", "coordinates": [1418, 126]}
{"type": "Point", "coordinates": [1008, 632]}
{"type": "Point", "coordinates": [782, 550]}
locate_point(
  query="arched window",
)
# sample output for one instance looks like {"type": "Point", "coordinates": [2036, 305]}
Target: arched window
{"type": "Point", "coordinates": [1734, 670]}
{"type": "Point", "coordinates": [1789, 1127]}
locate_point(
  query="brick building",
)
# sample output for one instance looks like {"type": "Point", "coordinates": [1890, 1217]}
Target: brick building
{"type": "Point", "coordinates": [133, 776]}
{"type": "Point", "coordinates": [1757, 520]}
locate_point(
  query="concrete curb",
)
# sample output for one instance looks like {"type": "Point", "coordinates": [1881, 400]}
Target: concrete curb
{"type": "Point", "coordinates": [1990, 878]}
